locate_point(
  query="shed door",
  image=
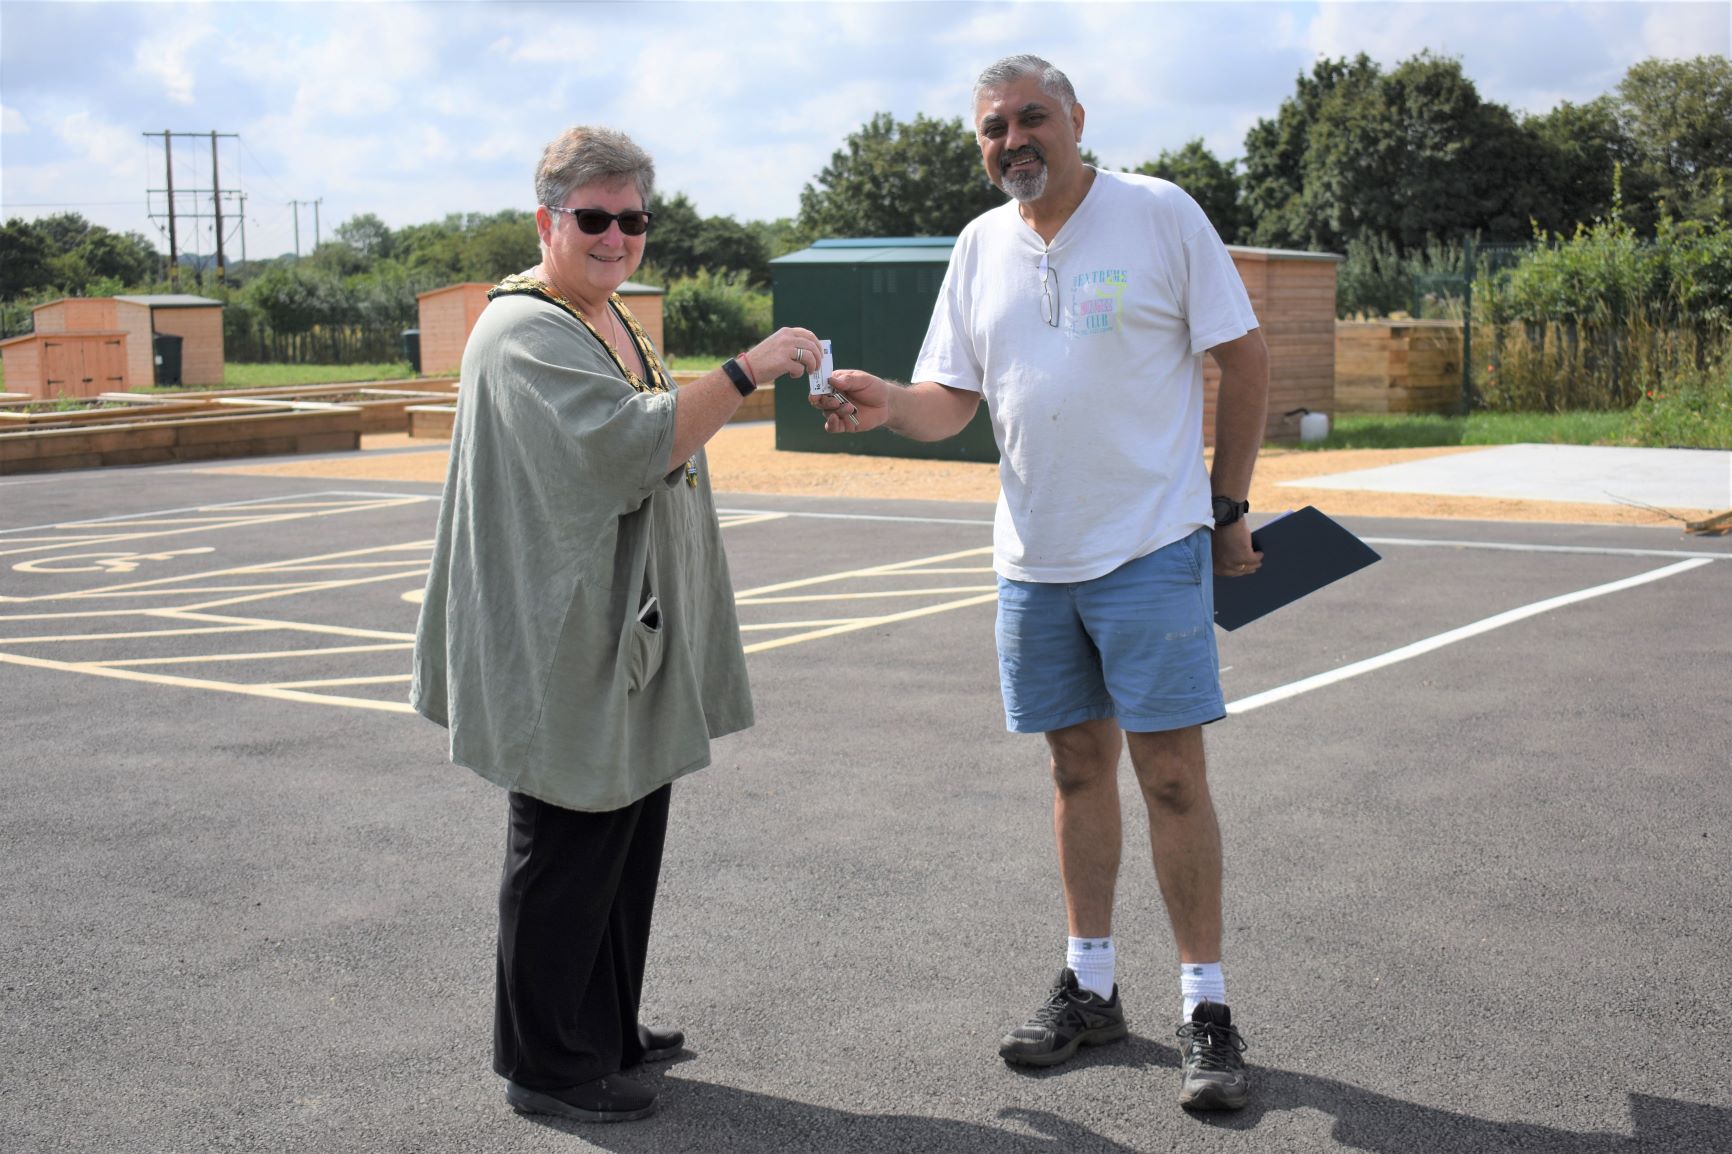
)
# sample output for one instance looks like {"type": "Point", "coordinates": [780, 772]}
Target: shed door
{"type": "Point", "coordinates": [106, 362]}
{"type": "Point", "coordinates": [61, 367]}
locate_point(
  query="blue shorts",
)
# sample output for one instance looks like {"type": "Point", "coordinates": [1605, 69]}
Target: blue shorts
{"type": "Point", "coordinates": [1137, 644]}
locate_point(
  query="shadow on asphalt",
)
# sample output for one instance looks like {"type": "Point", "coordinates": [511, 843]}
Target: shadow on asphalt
{"type": "Point", "coordinates": [724, 1118]}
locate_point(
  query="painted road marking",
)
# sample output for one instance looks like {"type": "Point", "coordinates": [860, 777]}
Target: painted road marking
{"type": "Point", "coordinates": [1429, 644]}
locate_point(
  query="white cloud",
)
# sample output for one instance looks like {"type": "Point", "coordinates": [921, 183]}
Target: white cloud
{"type": "Point", "coordinates": [1699, 29]}
{"type": "Point", "coordinates": [414, 110]}
{"type": "Point", "coordinates": [164, 58]}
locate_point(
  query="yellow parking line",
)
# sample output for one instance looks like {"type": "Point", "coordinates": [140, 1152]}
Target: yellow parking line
{"type": "Point", "coordinates": [287, 626]}
{"type": "Point", "coordinates": [139, 633]}
{"type": "Point", "coordinates": [802, 624]}
{"type": "Point", "coordinates": [874, 571]}
{"type": "Point", "coordinates": [870, 622]}
{"type": "Point", "coordinates": [237, 522]}
{"type": "Point", "coordinates": [218, 686]}
{"type": "Point", "coordinates": [340, 681]}
{"type": "Point", "coordinates": [869, 595]}
{"type": "Point", "coordinates": [270, 655]}
{"type": "Point", "coordinates": [309, 587]}
{"type": "Point", "coordinates": [749, 519]}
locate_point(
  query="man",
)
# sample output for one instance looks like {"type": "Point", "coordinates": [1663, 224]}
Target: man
{"type": "Point", "coordinates": [1080, 311]}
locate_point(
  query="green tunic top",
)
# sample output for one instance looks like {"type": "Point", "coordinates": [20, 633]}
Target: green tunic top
{"type": "Point", "coordinates": [559, 521]}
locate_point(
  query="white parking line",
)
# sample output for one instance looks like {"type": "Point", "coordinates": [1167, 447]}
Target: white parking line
{"type": "Point", "coordinates": [1418, 648]}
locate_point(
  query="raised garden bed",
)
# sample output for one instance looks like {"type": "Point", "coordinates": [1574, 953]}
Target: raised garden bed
{"type": "Point", "coordinates": [32, 414]}
{"type": "Point", "coordinates": [383, 404]}
{"type": "Point", "coordinates": [432, 422]}
{"type": "Point", "coordinates": [223, 428]}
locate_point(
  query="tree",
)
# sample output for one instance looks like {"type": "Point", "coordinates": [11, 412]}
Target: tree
{"type": "Point", "coordinates": [1275, 151]}
{"type": "Point", "coordinates": [1582, 149]}
{"type": "Point", "coordinates": [921, 178]}
{"type": "Point", "coordinates": [367, 235]}
{"type": "Point", "coordinates": [494, 247]}
{"type": "Point", "coordinates": [1410, 155]}
{"type": "Point", "coordinates": [293, 298]}
{"type": "Point", "coordinates": [1680, 113]}
{"type": "Point", "coordinates": [1213, 184]}
{"type": "Point", "coordinates": [24, 257]}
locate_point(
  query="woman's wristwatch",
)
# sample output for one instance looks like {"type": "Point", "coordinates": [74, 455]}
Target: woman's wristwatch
{"type": "Point", "coordinates": [742, 379]}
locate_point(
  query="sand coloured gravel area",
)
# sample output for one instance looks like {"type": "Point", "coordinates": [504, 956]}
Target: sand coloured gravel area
{"type": "Point", "coordinates": [743, 459]}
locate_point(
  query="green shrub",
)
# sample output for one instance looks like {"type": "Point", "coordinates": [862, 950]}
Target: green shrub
{"type": "Point", "coordinates": [710, 314]}
{"type": "Point", "coordinates": [1691, 409]}
{"type": "Point", "coordinates": [1378, 279]}
{"type": "Point", "coordinates": [1603, 319]}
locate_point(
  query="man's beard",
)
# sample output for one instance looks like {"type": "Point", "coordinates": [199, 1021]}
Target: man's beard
{"type": "Point", "coordinates": [1023, 186]}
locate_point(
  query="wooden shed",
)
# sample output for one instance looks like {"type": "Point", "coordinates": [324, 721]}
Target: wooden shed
{"type": "Point", "coordinates": [874, 298]}
{"type": "Point", "coordinates": [78, 343]}
{"type": "Point", "coordinates": [447, 315]}
{"type": "Point", "coordinates": [1293, 294]}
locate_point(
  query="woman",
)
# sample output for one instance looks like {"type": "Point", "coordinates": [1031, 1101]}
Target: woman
{"type": "Point", "coordinates": [578, 635]}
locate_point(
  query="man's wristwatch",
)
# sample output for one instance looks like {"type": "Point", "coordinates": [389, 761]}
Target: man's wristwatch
{"type": "Point", "coordinates": [1228, 510]}
{"type": "Point", "coordinates": [736, 374]}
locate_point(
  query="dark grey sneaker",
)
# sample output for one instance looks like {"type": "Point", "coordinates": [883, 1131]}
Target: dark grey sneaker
{"type": "Point", "coordinates": [1071, 1018]}
{"type": "Point", "coordinates": [1215, 1077]}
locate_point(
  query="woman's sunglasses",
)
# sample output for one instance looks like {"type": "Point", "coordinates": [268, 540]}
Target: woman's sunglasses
{"type": "Point", "coordinates": [594, 222]}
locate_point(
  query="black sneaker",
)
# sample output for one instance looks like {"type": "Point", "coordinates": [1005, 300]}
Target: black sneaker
{"type": "Point", "coordinates": [1215, 1077]}
{"type": "Point", "coordinates": [611, 1098]}
{"type": "Point", "coordinates": [1071, 1018]}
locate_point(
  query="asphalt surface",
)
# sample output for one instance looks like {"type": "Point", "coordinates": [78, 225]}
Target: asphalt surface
{"type": "Point", "coordinates": [1477, 899]}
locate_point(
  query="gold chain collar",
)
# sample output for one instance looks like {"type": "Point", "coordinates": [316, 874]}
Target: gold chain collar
{"type": "Point", "coordinates": [530, 286]}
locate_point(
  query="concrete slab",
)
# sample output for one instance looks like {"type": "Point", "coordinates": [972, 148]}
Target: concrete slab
{"type": "Point", "coordinates": [1590, 474]}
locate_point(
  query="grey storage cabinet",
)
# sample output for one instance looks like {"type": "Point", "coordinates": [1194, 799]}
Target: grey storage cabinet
{"type": "Point", "coordinates": [872, 299]}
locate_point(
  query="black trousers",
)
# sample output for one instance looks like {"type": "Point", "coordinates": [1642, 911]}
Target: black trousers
{"type": "Point", "coordinates": [574, 924]}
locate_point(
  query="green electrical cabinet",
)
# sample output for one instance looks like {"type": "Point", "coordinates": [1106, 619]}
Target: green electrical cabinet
{"type": "Point", "coordinates": [872, 299]}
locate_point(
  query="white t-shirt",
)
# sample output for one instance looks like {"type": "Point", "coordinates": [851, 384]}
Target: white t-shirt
{"type": "Point", "coordinates": [1099, 420]}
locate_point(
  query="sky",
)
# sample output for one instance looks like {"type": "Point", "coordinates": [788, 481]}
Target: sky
{"type": "Point", "coordinates": [411, 111]}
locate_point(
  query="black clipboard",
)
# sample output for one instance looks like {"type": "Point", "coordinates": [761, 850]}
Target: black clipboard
{"type": "Point", "coordinates": [1302, 552]}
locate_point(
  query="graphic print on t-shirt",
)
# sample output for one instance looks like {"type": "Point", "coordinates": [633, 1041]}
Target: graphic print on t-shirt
{"type": "Point", "coordinates": [1095, 300]}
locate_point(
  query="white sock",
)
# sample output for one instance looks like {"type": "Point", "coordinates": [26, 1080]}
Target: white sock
{"type": "Point", "coordinates": [1201, 982]}
{"type": "Point", "coordinates": [1091, 960]}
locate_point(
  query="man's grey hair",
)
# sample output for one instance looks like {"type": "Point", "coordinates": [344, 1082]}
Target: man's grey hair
{"type": "Point", "coordinates": [585, 155]}
{"type": "Point", "coordinates": [1012, 68]}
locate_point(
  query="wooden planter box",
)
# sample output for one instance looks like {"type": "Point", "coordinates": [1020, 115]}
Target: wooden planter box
{"type": "Point", "coordinates": [30, 414]}
{"type": "Point", "coordinates": [433, 422]}
{"type": "Point", "coordinates": [760, 406]}
{"type": "Point", "coordinates": [1397, 366]}
{"type": "Point", "coordinates": [227, 429]}
{"type": "Point", "coordinates": [383, 405]}
{"type": "Point", "coordinates": [439, 386]}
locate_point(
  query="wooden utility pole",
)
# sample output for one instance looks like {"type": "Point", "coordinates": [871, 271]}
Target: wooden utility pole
{"type": "Point", "coordinates": [216, 201]}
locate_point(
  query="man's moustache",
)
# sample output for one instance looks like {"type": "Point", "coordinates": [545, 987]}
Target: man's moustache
{"type": "Point", "coordinates": [1018, 156]}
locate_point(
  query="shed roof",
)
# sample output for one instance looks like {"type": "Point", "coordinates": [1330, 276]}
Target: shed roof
{"type": "Point", "coordinates": [1283, 253]}
{"type": "Point", "coordinates": [936, 250]}
{"type": "Point", "coordinates": [171, 301]}
{"type": "Point", "coordinates": [874, 250]}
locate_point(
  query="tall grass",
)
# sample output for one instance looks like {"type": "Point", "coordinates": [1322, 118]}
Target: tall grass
{"type": "Point", "coordinates": [1604, 319]}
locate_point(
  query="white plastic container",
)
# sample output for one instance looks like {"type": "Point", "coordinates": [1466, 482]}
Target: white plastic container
{"type": "Point", "coordinates": [1313, 427]}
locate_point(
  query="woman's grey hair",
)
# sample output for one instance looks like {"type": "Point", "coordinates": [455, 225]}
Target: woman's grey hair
{"type": "Point", "coordinates": [1052, 82]}
{"type": "Point", "coordinates": [585, 155]}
